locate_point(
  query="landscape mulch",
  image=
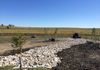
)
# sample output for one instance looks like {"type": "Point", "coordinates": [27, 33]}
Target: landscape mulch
{"type": "Point", "coordinates": [80, 57]}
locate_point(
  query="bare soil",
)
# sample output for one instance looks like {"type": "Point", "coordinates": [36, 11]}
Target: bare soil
{"type": "Point", "coordinates": [80, 57]}
{"type": "Point", "coordinates": [7, 49]}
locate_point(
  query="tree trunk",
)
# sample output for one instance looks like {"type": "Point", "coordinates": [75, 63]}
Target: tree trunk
{"type": "Point", "coordinates": [20, 58]}
{"type": "Point", "coordinates": [20, 63]}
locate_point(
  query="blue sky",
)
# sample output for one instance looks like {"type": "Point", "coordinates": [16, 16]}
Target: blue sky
{"type": "Point", "coordinates": [51, 13]}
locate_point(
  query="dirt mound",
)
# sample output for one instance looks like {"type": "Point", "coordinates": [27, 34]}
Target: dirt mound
{"type": "Point", "coordinates": [80, 57]}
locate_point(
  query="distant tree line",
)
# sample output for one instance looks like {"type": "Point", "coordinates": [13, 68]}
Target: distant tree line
{"type": "Point", "coordinates": [7, 26]}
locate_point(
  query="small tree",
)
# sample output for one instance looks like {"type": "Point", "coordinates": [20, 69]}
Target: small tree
{"type": "Point", "coordinates": [93, 33]}
{"type": "Point", "coordinates": [45, 33]}
{"type": "Point", "coordinates": [55, 32]}
{"type": "Point", "coordinates": [17, 42]}
{"type": "Point", "coordinates": [8, 27]}
{"type": "Point", "coordinates": [2, 25]}
{"type": "Point", "coordinates": [51, 35]}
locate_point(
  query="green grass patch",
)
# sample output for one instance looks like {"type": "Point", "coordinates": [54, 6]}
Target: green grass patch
{"type": "Point", "coordinates": [6, 68]}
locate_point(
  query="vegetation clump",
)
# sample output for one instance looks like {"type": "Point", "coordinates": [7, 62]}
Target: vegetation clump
{"type": "Point", "coordinates": [76, 35]}
{"type": "Point", "coordinates": [17, 42]}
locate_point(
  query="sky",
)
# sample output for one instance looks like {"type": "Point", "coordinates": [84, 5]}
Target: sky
{"type": "Point", "coordinates": [51, 13]}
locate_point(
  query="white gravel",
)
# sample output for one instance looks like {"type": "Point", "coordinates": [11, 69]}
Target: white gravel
{"type": "Point", "coordinates": [44, 56]}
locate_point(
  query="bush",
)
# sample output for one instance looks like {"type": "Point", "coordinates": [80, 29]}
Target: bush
{"type": "Point", "coordinates": [33, 36]}
{"type": "Point", "coordinates": [76, 35]}
{"type": "Point", "coordinates": [52, 39]}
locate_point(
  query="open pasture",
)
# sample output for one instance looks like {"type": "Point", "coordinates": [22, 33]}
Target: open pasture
{"type": "Point", "coordinates": [43, 33]}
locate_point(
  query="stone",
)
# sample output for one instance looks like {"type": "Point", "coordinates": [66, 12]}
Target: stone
{"type": "Point", "coordinates": [44, 56]}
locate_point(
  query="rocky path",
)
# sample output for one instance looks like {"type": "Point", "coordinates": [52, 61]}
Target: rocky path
{"type": "Point", "coordinates": [44, 56]}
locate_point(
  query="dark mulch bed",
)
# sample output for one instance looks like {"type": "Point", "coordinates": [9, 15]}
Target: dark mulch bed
{"type": "Point", "coordinates": [80, 57]}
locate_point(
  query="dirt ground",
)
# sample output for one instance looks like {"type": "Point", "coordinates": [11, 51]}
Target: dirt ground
{"type": "Point", "coordinates": [29, 44]}
{"type": "Point", "coordinates": [80, 57]}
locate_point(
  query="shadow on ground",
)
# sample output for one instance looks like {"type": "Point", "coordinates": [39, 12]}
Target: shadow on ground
{"type": "Point", "coordinates": [80, 57]}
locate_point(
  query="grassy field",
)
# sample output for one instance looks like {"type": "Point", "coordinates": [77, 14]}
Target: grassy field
{"type": "Point", "coordinates": [48, 30]}
{"type": "Point", "coordinates": [6, 34]}
{"type": "Point", "coordinates": [42, 31]}
{"type": "Point", "coordinates": [42, 34]}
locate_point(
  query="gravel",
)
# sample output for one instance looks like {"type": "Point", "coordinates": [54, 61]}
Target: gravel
{"type": "Point", "coordinates": [44, 56]}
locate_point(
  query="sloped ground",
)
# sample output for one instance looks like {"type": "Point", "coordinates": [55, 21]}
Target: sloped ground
{"type": "Point", "coordinates": [80, 57]}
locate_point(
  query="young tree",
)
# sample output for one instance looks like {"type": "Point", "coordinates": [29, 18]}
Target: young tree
{"type": "Point", "coordinates": [2, 25]}
{"type": "Point", "coordinates": [8, 27]}
{"type": "Point", "coordinates": [45, 33]}
{"type": "Point", "coordinates": [54, 35]}
{"type": "Point", "coordinates": [55, 32]}
{"type": "Point", "coordinates": [50, 35]}
{"type": "Point", "coordinates": [93, 33]}
{"type": "Point", "coordinates": [17, 42]}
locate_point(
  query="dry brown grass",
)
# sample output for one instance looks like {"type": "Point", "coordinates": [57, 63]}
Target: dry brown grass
{"type": "Point", "coordinates": [49, 30]}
